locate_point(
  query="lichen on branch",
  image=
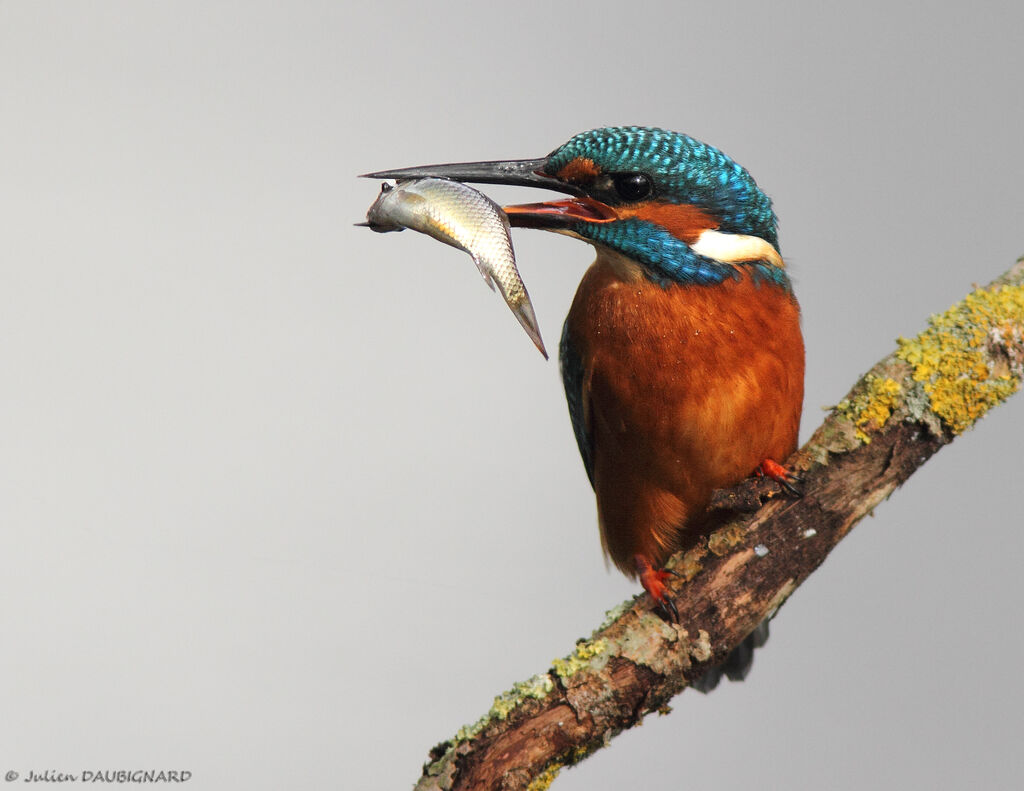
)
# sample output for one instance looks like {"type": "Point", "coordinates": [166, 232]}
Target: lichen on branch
{"type": "Point", "coordinates": [907, 407]}
{"type": "Point", "coordinates": [971, 357]}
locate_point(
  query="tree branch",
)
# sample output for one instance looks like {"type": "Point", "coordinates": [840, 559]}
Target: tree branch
{"type": "Point", "coordinates": [910, 405]}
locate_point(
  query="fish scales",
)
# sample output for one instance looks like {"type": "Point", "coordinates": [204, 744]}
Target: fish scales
{"type": "Point", "coordinates": [465, 218]}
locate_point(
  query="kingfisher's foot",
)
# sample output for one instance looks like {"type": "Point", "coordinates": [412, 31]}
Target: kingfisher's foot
{"type": "Point", "coordinates": [783, 477]}
{"type": "Point", "coordinates": [653, 581]}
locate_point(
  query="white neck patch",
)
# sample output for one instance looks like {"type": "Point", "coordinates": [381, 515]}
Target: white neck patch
{"type": "Point", "coordinates": [730, 248]}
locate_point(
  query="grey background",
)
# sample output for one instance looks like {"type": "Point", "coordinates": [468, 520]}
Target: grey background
{"type": "Point", "coordinates": [284, 502]}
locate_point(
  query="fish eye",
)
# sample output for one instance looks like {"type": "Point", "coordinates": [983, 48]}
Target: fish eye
{"type": "Point", "coordinates": [632, 186]}
{"type": "Point", "coordinates": [385, 187]}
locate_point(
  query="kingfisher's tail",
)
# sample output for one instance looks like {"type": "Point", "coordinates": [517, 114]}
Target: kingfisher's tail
{"type": "Point", "coordinates": [737, 664]}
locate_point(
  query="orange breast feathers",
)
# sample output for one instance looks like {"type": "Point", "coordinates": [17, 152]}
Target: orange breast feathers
{"type": "Point", "coordinates": [685, 389]}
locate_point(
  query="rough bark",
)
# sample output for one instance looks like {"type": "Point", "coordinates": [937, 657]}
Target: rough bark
{"type": "Point", "coordinates": [906, 408]}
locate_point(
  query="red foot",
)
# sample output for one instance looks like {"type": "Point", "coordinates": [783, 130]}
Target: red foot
{"type": "Point", "coordinates": [783, 477]}
{"type": "Point", "coordinates": [653, 581]}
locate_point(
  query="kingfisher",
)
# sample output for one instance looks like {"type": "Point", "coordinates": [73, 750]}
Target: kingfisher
{"type": "Point", "coordinates": [682, 355]}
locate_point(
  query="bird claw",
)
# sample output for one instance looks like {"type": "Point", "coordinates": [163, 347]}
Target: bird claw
{"type": "Point", "coordinates": [668, 609]}
{"type": "Point", "coordinates": [653, 581]}
{"type": "Point", "coordinates": [783, 477]}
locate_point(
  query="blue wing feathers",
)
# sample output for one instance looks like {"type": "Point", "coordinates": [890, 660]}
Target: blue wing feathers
{"type": "Point", "coordinates": [571, 365]}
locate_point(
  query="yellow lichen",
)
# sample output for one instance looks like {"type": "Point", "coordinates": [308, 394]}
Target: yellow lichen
{"type": "Point", "coordinates": [872, 406]}
{"type": "Point", "coordinates": [971, 357]}
{"type": "Point", "coordinates": [543, 781]}
{"type": "Point", "coordinates": [467, 732]}
{"type": "Point", "coordinates": [586, 651]}
{"type": "Point", "coordinates": [612, 615]}
{"type": "Point", "coordinates": [504, 704]}
{"type": "Point", "coordinates": [721, 542]}
{"type": "Point", "coordinates": [690, 565]}
{"type": "Point", "coordinates": [536, 687]}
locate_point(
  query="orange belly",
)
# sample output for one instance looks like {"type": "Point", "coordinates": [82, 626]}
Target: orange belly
{"type": "Point", "coordinates": [686, 389]}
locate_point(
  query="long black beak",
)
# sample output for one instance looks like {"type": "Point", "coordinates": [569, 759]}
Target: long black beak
{"type": "Point", "coordinates": [517, 172]}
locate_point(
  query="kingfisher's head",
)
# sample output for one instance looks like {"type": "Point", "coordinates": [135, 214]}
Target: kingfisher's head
{"type": "Point", "coordinates": [680, 210]}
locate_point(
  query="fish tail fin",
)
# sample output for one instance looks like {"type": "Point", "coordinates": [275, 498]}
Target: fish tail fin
{"type": "Point", "coordinates": [526, 316]}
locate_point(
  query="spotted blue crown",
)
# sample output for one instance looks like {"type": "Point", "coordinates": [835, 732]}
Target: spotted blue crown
{"type": "Point", "coordinates": [684, 170]}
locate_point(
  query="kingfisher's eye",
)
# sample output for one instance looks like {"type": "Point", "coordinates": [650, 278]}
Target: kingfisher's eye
{"type": "Point", "coordinates": [632, 186]}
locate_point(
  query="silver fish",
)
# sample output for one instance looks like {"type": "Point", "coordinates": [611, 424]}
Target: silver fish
{"type": "Point", "coordinates": [467, 219]}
